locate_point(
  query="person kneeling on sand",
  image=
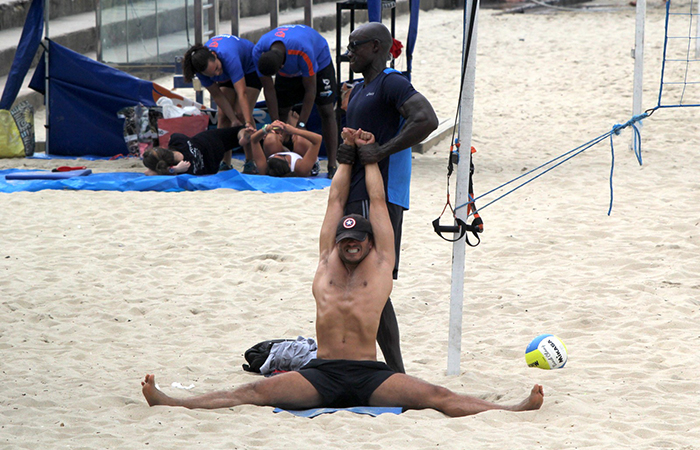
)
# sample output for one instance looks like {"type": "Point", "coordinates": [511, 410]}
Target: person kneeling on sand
{"type": "Point", "coordinates": [352, 283]}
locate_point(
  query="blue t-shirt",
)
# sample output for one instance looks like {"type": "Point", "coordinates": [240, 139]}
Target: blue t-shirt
{"type": "Point", "coordinates": [307, 51]}
{"type": "Point", "coordinates": [375, 107]}
{"type": "Point", "coordinates": [236, 56]}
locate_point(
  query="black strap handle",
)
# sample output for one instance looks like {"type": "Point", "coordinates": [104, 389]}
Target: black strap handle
{"type": "Point", "coordinates": [461, 227]}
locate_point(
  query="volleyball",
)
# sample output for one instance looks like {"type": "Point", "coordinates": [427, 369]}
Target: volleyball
{"type": "Point", "coordinates": [546, 351]}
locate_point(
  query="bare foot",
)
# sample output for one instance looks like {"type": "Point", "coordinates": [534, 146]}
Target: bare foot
{"type": "Point", "coordinates": [292, 118]}
{"type": "Point", "coordinates": [153, 395]}
{"type": "Point", "coordinates": [534, 401]}
{"type": "Point", "coordinates": [244, 137]}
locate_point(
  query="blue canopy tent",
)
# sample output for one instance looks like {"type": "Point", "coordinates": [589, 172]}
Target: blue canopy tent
{"type": "Point", "coordinates": [83, 96]}
{"type": "Point", "coordinates": [84, 99]}
{"type": "Point", "coordinates": [26, 49]}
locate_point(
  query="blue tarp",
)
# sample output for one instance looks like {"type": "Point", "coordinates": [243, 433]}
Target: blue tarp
{"type": "Point", "coordinates": [131, 181]}
{"type": "Point", "coordinates": [26, 49]}
{"type": "Point", "coordinates": [84, 97]}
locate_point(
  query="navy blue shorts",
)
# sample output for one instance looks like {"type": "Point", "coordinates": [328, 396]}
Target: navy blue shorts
{"type": "Point", "coordinates": [290, 90]}
{"type": "Point", "coordinates": [344, 383]}
{"type": "Point", "coordinates": [251, 80]}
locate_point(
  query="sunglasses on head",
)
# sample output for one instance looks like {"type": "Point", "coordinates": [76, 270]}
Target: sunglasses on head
{"type": "Point", "coordinates": [352, 46]}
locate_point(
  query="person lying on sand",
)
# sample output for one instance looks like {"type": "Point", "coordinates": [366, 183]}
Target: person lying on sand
{"type": "Point", "coordinates": [266, 148]}
{"type": "Point", "coordinates": [198, 155]}
{"type": "Point", "coordinates": [352, 283]}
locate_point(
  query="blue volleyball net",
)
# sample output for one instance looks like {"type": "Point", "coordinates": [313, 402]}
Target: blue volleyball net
{"type": "Point", "coordinates": [680, 71]}
{"type": "Point", "coordinates": [679, 87]}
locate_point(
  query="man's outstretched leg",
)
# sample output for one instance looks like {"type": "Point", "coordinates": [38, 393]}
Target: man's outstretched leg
{"type": "Point", "coordinates": [289, 391]}
{"type": "Point", "coordinates": [413, 393]}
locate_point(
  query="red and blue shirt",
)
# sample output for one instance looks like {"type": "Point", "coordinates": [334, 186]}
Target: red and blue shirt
{"type": "Point", "coordinates": [236, 56]}
{"type": "Point", "coordinates": [307, 50]}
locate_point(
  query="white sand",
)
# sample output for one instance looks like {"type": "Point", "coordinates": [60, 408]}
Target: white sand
{"type": "Point", "coordinates": [99, 288]}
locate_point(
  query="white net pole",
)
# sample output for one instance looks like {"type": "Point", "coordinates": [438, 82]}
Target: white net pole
{"type": "Point", "coordinates": [454, 343]}
{"type": "Point", "coordinates": [638, 55]}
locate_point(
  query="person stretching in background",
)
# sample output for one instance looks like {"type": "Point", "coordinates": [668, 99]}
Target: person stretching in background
{"type": "Point", "coordinates": [266, 149]}
{"type": "Point", "coordinates": [300, 60]}
{"type": "Point", "coordinates": [224, 66]}
{"type": "Point", "coordinates": [198, 155]}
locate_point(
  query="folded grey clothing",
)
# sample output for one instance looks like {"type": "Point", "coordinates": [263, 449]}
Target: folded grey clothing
{"type": "Point", "coordinates": [290, 355]}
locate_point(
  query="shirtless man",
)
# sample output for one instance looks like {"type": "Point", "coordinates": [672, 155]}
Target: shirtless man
{"type": "Point", "coordinates": [352, 282]}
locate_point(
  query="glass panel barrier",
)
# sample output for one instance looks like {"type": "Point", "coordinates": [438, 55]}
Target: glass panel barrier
{"type": "Point", "coordinates": [144, 31]}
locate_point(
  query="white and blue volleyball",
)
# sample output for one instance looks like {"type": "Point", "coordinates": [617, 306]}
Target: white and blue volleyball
{"type": "Point", "coordinates": [546, 351]}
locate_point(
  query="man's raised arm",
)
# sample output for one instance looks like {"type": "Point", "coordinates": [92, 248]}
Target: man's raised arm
{"type": "Point", "coordinates": [337, 197]}
{"type": "Point", "coordinates": [382, 229]}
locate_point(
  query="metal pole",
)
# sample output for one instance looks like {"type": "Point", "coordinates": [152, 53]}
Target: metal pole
{"type": "Point", "coordinates": [235, 17]}
{"type": "Point", "coordinates": [214, 18]}
{"type": "Point", "coordinates": [157, 33]}
{"type": "Point", "coordinates": [126, 26]}
{"type": "Point", "coordinates": [198, 22]}
{"type": "Point", "coordinates": [47, 122]}
{"type": "Point", "coordinates": [274, 13]}
{"type": "Point", "coordinates": [338, 44]}
{"type": "Point", "coordinates": [454, 341]}
{"type": "Point", "coordinates": [98, 26]}
{"type": "Point", "coordinates": [309, 13]}
{"type": "Point", "coordinates": [638, 55]}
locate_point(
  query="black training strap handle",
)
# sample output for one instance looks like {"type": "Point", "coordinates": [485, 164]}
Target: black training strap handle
{"type": "Point", "coordinates": [461, 227]}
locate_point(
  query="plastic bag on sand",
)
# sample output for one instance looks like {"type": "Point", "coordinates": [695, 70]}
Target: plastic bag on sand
{"type": "Point", "coordinates": [170, 111]}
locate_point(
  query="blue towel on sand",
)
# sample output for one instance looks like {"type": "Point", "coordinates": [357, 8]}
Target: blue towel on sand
{"type": "Point", "coordinates": [131, 181]}
{"type": "Point", "coordinates": [373, 411]}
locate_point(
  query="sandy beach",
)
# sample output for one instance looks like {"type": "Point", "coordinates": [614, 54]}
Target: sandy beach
{"type": "Point", "coordinates": [100, 288]}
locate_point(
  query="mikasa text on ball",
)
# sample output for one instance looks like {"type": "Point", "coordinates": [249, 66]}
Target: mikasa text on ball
{"type": "Point", "coordinates": [546, 351]}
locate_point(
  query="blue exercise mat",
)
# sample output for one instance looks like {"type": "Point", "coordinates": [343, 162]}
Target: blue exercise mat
{"type": "Point", "coordinates": [131, 181]}
{"type": "Point", "coordinates": [373, 411]}
{"type": "Point", "coordinates": [46, 175]}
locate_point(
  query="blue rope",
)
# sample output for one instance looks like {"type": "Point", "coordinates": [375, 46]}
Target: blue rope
{"type": "Point", "coordinates": [612, 168]}
{"type": "Point", "coordinates": [616, 129]}
{"type": "Point", "coordinates": [637, 145]}
{"type": "Point", "coordinates": [575, 152]}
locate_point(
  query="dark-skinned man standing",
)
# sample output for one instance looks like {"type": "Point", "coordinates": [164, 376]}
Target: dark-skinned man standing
{"type": "Point", "coordinates": [385, 104]}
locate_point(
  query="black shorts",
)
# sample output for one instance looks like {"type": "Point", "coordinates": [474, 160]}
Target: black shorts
{"type": "Point", "coordinates": [290, 90]}
{"type": "Point", "coordinates": [343, 383]}
{"type": "Point", "coordinates": [217, 140]}
{"type": "Point", "coordinates": [251, 80]}
{"type": "Point", "coordinates": [395, 214]}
